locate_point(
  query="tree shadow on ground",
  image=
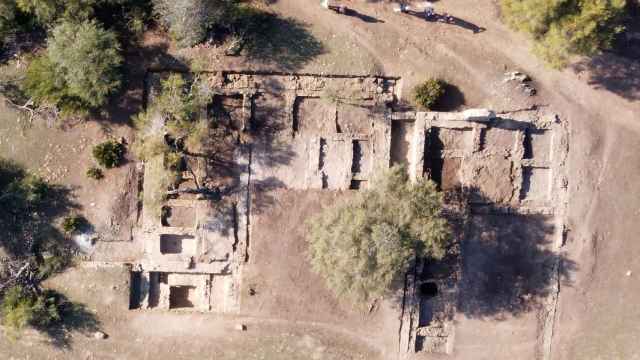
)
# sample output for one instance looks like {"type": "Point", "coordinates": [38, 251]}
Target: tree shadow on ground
{"type": "Point", "coordinates": [131, 99]}
{"type": "Point", "coordinates": [269, 129]}
{"type": "Point", "coordinates": [612, 72]}
{"type": "Point", "coordinates": [509, 262]}
{"type": "Point", "coordinates": [618, 70]}
{"type": "Point", "coordinates": [73, 317]}
{"type": "Point", "coordinates": [29, 211]}
{"type": "Point", "coordinates": [270, 143]}
{"type": "Point", "coordinates": [452, 100]}
{"type": "Point", "coordinates": [284, 42]}
{"type": "Point", "coordinates": [501, 263]}
{"type": "Point", "coordinates": [21, 43]}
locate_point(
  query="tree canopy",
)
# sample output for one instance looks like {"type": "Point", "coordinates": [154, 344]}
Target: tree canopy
{"type": "Point", "coordinates": [88, 57]}
{"type": "Point", "coordinates": [428, 93]}
{"type": "Point", "coordinates": [80, 69]}
{"type": "Point", "coordinates": [562, 28]}
{"type": "Point", "coordinates": [189, 20]}
{"type": "Point", "coordinates": [361, 246]}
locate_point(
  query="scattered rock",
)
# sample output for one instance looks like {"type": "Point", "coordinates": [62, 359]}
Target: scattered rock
{"type": "Point", "coordinates": [527, 89]}
{"type": "Point", "coordinates": [523, 80]}
{"type": "Point", "coordinates": [517, 76]}
{"type": "Point", "coordinates": [234, 48]}
{"type": "Point", "coordinates": [99, 335]}
{"type": "Point", "coordinates": [628, 273]}
{"type": "Point", "coordinates": [241, 327]}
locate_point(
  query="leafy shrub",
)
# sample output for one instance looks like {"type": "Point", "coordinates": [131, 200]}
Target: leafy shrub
{"type": "Point", "coordinates": [21, 308]}
{"type": "Point", "coordinates": [109, 153]}
{"type": "Point", "coordinates": [360, 247]}
{"type": "Point", "coordinates": [72, 223]}
{"type": "Point", "coordinates": [428, 93]}
{"type": "Point", "coordinates": [95, 173]}
{"type": "Point", "coordinates": [565, 28]}
{"type": "Point", "coordinates": [189, 21]}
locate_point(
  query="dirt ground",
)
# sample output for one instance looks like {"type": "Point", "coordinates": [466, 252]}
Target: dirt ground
{"type": "Point", "coordinates": [292, 316]}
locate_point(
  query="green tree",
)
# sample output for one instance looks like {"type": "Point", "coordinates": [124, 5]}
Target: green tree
{"type": "Point", "coordinates": [79, 71]}
{"type": "Point", "coordinates": [7, 19]}
{"type": "Point", "coordinates": [88, 59]}
{"type": "Point", "coordinates": [189, 21]}
{"type": "Point", "coordinates": [21, 307]}
{"type": "Point", "coordinates": [563, 28]}
{"type": "Point", "coordinates": [428, 93]}
{"type": "Point", "coordinates": [48, 11]}
{"type": "Point", "coordinates": [109, 153]}
{"type": "Point", "coordinates": [95, 173]}
{"type": "Point", "coordinates": [362, 246]}
{"type": "Point", "coordinates": [44, 83]}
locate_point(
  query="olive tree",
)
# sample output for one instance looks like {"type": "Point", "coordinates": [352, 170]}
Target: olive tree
{"type": "Point", "coordinates": [189, 21]}
{"type": "Point", "coordinates": [88, 58]}
{"type": "Point", "coordinates": [79, 70]}
{"type": "Point", "coordinates": [361, 246]}
{"type": "Point", "coordinates": [565, 28]}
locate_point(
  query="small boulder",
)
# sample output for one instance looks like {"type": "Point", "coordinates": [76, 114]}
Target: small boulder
{"type": "Point", "coordinates": [99, 335]}
{"type": "Point", "coordinates": [241, 327]}
{"type": "Point", "coordinates": [517, 76]}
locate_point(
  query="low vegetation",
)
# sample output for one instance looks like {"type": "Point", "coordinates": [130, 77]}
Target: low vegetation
{"type": "Point", "coordinates": [72, 223]}
{"type": "Point", "coordinates": [21, 307]}
{"type": "Point", "coordinates": [427, 94]}
{"type": "Point", "coordinates": [109, 153]}
{"type": "Point", "coordinates": [95, 173]}
{"type": "Point", "coordinates": [170, 129]}
{"type": "Point", "coordinates": [362, 246]}
{"type": "Point", "coordinates": [562, 29]}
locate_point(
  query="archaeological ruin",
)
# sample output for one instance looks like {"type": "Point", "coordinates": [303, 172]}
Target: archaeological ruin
{"type": "Point", "coordinates": [332, 133]}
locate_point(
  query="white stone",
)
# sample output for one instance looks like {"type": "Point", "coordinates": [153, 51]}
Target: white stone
{"type": "Point", "coordinates": [478, 115]}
